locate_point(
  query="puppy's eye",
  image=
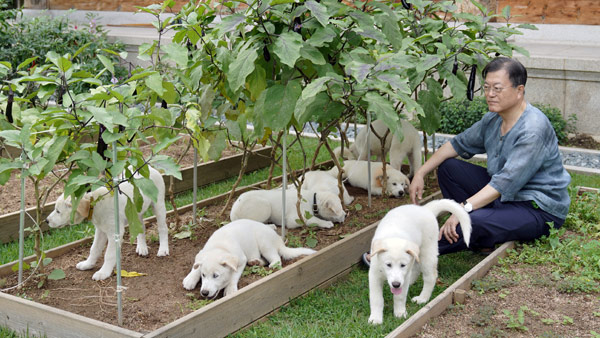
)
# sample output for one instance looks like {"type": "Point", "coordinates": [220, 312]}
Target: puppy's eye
{"type": "Point", "coordinates": [402, 265]}
{"type": "Point", "coordinates": [203, 276]}
{"type": "Point", "coordinates": [394, 184]}
{"type": "Point", "coordinates": [389, 265]}
{"type": "Point", "coordinates": [216, 275]}
{"type": "Point", "coordinates": [58, 211]}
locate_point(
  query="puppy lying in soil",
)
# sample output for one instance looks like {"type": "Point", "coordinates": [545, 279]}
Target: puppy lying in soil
{"type": "Point", "coordinates": [221, 262]}
{"type": "Point", "coordinates": [357, 174]}
{"type": "Point", "coordinates": [265, 206]}
{"type": "Point", "coordinates": [102, 215]}
{"type": "Point", "coordinates": [405, 244]}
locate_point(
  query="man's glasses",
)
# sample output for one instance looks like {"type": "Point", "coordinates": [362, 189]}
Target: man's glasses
{"type": "Point", "coordinates": [490, 89]}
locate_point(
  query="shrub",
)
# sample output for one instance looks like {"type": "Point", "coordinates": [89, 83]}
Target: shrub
{"type": "Point", "coordinates": [25, 38]}
{"type": "Point", "coordinates": [460, 115]}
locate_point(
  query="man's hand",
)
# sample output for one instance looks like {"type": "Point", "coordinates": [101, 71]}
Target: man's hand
{"type": "Point", "coordinates": [415, 189]}
{"type": "Point", "coordinates": [448, 230]}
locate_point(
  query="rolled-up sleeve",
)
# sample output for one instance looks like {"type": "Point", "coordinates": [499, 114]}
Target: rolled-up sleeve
{"type": "Point", "coordinates": [521, 164]}
{"type": "Point", "coordinates": [470, 142]}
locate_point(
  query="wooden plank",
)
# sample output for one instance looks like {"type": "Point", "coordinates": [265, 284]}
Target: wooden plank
{"type": "Point", "coordinates": [23, 315]}
{"type": "Point", "coordinates": [207, 173]}
{"type": "Point", "coordinates": [440, 303]}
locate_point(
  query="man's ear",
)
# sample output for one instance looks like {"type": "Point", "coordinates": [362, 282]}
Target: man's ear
{"type": "Point", "coordinates": [83, 208]}
{"type": "Point", "coordinates": [377, 247]}
{"type": "Point", "coordinates": [231, 262]}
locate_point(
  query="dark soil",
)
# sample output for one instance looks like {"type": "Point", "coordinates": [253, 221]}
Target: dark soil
{"type": "Point", "coordinates": [582, 141]}
{"type": "Point", "coordinates": [158, 298]}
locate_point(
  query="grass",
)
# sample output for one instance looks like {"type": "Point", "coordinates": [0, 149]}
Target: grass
{"type": "Point", "coordinates": [342, 309]}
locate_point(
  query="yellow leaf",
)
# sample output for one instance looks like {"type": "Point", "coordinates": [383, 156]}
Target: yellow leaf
{"type": "Point", "coordinates": [132, 274]}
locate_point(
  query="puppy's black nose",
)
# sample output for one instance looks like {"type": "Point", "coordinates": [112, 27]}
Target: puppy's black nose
{"type": "Point", "coordinates": [204, 293]}
{"type": "Point", "coordinates": [396, 284]}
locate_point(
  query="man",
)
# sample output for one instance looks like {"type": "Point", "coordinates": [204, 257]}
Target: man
{"type": "Point", "coordinates": [523, 191]}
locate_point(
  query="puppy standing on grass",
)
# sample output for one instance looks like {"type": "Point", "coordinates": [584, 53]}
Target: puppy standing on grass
{"type": "Point", "coordinates": [103, 218]}
{"type": "Point", "coordinates": [222, 260]}
{"type": "Point", "coordinates": [404, 245]}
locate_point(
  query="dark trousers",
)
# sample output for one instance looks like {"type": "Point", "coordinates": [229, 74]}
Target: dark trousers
{"type": "Point", "coordinates": [497, 222]}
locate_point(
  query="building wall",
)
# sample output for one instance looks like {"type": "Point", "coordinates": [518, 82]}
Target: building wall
{"type": "Point", "coordinates": [574, 12]}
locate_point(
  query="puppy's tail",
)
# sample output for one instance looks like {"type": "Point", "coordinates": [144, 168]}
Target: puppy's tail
{"type": "Point", "coordinates": [291, 253]}
{"type": "Point", "coordinates": [437, 206]}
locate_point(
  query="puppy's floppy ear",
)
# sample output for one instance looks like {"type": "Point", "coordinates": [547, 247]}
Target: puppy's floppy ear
{"type": "Point", "coordinates": [231, 262]}
{"type": "Point", "coordinates": [83, 208]}
{"type": "Point", "coordinates": [379, 181]}
{"type": "Point", "coordinates": [414, 251]}
{"type": "Point", "coordinates": [377, 247]}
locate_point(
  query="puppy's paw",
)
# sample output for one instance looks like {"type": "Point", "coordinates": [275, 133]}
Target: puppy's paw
{"type": "Point", "coordinates": [101, 275]}
{"type": "Point", "coordinates": [163, 252]}
{"type": "Point", "coordinates": [420, 299]}
{"type": "Point", "coordinates": [189, 282]}
{"type": "Point", "coordinates": [401, 313]}
{"type": "Point", "coordinates": [85, 265]}
{"type": "Point", "coordinates": [326, 225]}
{"type": "Point", "coordinates": [375, 320]}
{"type": "Point", "coordinates": [142, 250]}
{"type": "Point", "coordinates": [275, 263]}
{"type": "Point", "coordinates": [257, 262]}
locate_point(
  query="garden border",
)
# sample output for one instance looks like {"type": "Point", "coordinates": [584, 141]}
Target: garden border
{"type": "Point", "coordinates": [250, 304]}
{"type": "Point", "coordinates": [208, 172]}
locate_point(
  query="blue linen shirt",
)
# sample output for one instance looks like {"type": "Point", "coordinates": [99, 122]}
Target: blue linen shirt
{"type": "Point", "coordinates": [524, 164]}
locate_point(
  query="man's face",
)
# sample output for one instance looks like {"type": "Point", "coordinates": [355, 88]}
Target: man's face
{"type": "Point", "coordinates": [501, 96]}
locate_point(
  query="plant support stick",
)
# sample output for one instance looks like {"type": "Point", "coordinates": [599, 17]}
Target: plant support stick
{"type": "Point", "coordinates": [117, 237]}
{"type": "Point", "coordinates": [284, 184]}
{"type": "Point", "coordinates": [22, 223]}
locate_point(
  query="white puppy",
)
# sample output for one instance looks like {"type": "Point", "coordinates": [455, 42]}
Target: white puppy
{"type": "Point", "coordinates": [222, 260]}
{"type": "Point", "coordinates": [265, 206]}
{"type": "Point", "coordinates": [102, 216]}
{"type": "Point", "coordinates": [404, 245]}
{"type": "Point", "coordinates": [319, 180]}
{"type": "Point", "coordinates": [357, 174]}
{"type": "Point", "coordinates": [398, 149]}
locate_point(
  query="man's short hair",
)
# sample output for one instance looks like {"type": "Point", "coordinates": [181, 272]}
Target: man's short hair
{"type": "Point", "coordinates": [517, 74]}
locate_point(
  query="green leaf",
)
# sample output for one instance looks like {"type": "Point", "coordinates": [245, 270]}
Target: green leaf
{"type": "Point", "coordinates": [155, 82]}
{"type": "Point", "coordinates": [229, 23]}
{"type": "Point", "coordinates": [107, 63]}
{"type": "Point", "coordinates": [506, 13]}
{"type": "Point", "coordinates": [56, 274]}
{"type": "Point", "coordinates": [241, 67]}
{"type": "Point", "coordinates": [147, 187]}
{"type": "Point", "coordinates": [54, 151]}
{"type": "Point", "coordinates": [83, 180]}
{"type": "Point", "coordinates": [318, 11]}
{"type": "Point", "coordinates": [359, 70]}
{"type": "Point", "coordinates": [428, 62]}
{"type": "Point", "coordinates": [430, 121]}
{"type": "Point", "coordinates": [322, 36]}
{"type": "Point", "coordinates": [15, 267]}
{"type": "Point", "coordinates": [135, 226]}
{"type": "Point", "coordinates": [164, 143]}
{"type": "Point", "coordinates": [62, 63]}
{"type": "Point", "coordinates": [166, 166]}
{"type": "Point", "coordinates": [256, 82]}
{"type": "Point", "coordinates": [280, 102]}
{"type": "Point", "coordinates": [379, 105]}
{"type": "Point", "coordinates": [26, 63]}
{"type": "Point", "coordinates": [287, 48]}
{"type": "Point", "coordinates": [183, 234]}
{"type": "Point", "coordinates": [315, 87]}
{"type": "Point", "coordinates": [311, 242]}
{"type": "Point", "coordinates": [177, 53]}
{"type": "Point", "coordinates": [312, 54]}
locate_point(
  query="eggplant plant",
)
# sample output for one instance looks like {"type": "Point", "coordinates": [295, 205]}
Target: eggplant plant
{"type": "Point", "coordinates": [279, 64]}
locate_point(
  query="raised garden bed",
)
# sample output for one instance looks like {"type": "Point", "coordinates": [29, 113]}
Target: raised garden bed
{"type": "Point", "coordinates": [178, 318]}
{"type": "Point", "coordinates": [228, 166]}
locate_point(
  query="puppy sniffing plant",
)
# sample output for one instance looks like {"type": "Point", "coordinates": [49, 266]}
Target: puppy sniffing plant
{"type": "Point", "coordinates": [65, 135]}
